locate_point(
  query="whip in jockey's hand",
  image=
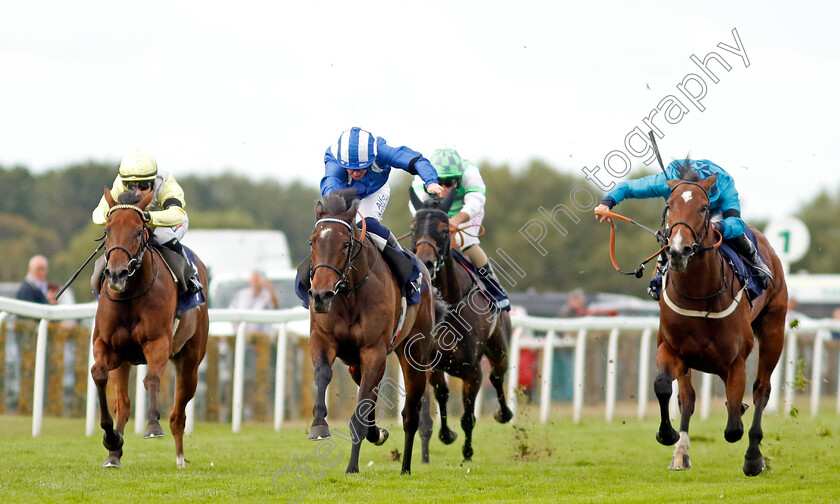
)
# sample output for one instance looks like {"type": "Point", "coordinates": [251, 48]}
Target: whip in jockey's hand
{"type": "Point", "coordinates": [599, 212]}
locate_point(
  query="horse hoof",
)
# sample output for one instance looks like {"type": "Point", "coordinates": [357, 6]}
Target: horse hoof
{"type": "Point", "coordinates": [680, 463]}
{"type": "Point", "coordinates": [503, 415]}
{"type": "Point", "coordinates": [753, 467]}
{"type": "Point", "coordinates": [447, 436]}
{"type": "Point", "coordinates": [117, 445]}
{"type": "Point", "coordinates": [733, 436]}
{"type": "Point", "coordinates": [468, 453]}
{"type": "Point", "coordinates": [353, 469]}
{"type": "Point", "coordinates": [112, 462]}
{"type": "Point", "coordinates": [153, 430]}
{"type": "Point", "coordinates": [668, 439]}
{"type": "Point", "coordinates": [383, 436]}
{"type": "Point", "coordinates": [317, 432]}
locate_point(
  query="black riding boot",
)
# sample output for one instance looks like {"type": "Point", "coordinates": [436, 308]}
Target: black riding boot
{"type": "Point", "coordinates": [492, 283]}
{"type": "Point", "coordinates": [173, 253]}
{"type": "Point", "coordinates": [747, 250]}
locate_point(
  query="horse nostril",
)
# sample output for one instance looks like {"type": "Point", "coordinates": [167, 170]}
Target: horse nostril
{"type": "Point", "coordinates": [429, 265]}
{"type": "Point", "coordinates": [686, 251]}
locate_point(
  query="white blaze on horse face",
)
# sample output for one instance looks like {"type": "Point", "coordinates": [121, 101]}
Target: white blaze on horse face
{"type": "Point", "coordinates": [676, 244]}
{"type": "Point", "coordinates": [686, 196]}
{"type": "Point", "coordinates": [324, 233]}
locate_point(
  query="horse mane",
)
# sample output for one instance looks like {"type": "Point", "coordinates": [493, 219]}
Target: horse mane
{"type": "Point", "coordinates": [338, 202]}
{"type": "Point", "coordinates": [687, 172]}
{"type": "Point", "coordinates": [129, 198]}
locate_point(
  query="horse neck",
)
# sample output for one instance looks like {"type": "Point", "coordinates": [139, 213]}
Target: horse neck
{"type": "Point", "coordinates": [703, 275]}
{"type": "Point", "coordinates": [452, 281]}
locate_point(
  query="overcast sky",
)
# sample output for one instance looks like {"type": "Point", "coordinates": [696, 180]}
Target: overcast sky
{"type": "Point", "coordinates": [262, 88]}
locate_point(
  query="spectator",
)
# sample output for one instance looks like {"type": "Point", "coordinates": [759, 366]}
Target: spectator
{"type": "Point", "coordinates": [34, 287]}
{"type": "Point", "coordinates": [575, 306]}
{"type": "Point", "coordinates": [260, 295]}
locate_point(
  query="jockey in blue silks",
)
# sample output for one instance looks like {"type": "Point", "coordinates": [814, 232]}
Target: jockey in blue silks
{"type": "Point", "coordinates": [723, 201]}
{"type": "Point", "coordinates": [363, 162]}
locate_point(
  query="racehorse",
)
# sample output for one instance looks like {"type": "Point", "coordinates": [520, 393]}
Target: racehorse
{"type": "Point", "coordinates": [136, 324]}
{"type": "Point", "coordinates": [474, 327]}
{"type": "Point", "coordinates": [355, 310]}
{"type": "Point", "coordinates": [707, 324]}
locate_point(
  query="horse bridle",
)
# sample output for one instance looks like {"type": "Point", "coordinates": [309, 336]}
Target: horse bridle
{"type": "Point", "coordinates": [352, 253]}
{"type": "Point", "coordinates": [135, 259]}
{"type": "Point", "coordinates": [440, 251]}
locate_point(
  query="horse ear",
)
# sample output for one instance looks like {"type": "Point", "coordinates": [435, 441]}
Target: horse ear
{"type": "Point", "coordinates": [146, 200]}
{"type": "Point", "coordinates": [109, 198]}
{"type": "Point", "coordinates": [448, 200]}
{"type": "Point", "coordinates": [319, 210]}
{"type": "Point", "coordinates": [415, 200]}
{"type": "Point", "coordinates": [349, 215]}
{"type": "Point", "coordinates": [709, 182]}
{"type": "Point", "coordinates": [673, 183]}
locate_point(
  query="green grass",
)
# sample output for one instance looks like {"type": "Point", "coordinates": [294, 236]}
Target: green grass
{"type": "Point", "coordinates": [528, 462]}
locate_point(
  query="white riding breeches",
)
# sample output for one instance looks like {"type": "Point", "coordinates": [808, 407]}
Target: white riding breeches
{"type": "Point", "coordinates": [164, 234]}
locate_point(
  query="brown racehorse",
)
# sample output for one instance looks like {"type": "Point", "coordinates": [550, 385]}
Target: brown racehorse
{"type": "Point", "coordinates": [472, 328]}
{"type": "Point", "coordinates": [354, 310]}
{"type": "Point", "coordinates": [134, 324]}
{"type": "Point", "coordinates": [707, 324]}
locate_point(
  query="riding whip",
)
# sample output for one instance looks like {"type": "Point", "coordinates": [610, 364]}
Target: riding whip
{"type": "Point", "coordinates": [76, 274]}
{"type": "Point", "coordinates": [656, 151]}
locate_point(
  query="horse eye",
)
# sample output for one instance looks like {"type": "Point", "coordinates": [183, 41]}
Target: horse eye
{"type": "Point", "coordinates": [347, 245]}
{"type": "Point", "coordinates": [309, 242]}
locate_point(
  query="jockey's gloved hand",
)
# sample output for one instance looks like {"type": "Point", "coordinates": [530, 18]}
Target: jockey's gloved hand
{"type": "Point", "coordinates": [720, 226]}
{"type": "Point", "coordinates": [147, 217]}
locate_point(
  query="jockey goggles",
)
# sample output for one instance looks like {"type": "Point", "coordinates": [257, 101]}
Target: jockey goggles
{"type": "Point", "coordinates": [143, 185]}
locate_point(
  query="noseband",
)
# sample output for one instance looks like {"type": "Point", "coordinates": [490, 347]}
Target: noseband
{"type": "Point", "coordinates": [352, 253]}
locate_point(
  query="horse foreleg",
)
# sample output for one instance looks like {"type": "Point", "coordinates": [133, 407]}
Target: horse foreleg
{"type": "Point", "coordinates": [734, 381]}
{"type": "Point", "coordinates": [681, 461]}
{"type": "Point", "coordinates": [415, 384]}
{"type": "Point", "coordinates": [770, 344]}
{"type": "Point", "coordinates": [323, 375]}
{"type": "Point", "coordinates": [669, 368]}
{"type": "Point", "coordinates": [426, 425]}
{"type": "Point", "coordinates": [363, 419]}
{"type": "Point", "coordinates": [157, 355]}
{"type": "Point", "coordinates": [438, 382]}
{"type": "Point", "coordinates": [497, 354]}
{"type": "Point", "coordinates": [112, 439]}
{"type": "Point", "coordinates": [472, 385]}
{"type": "Point", "coordinates": [186, 368]}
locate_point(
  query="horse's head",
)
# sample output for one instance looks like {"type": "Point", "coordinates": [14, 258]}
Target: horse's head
{"type": "Point", "coordinates": [334, 246]}
{"type": "Point", "coordinates": [430, 236]}
{"type": "Point", "coordinates": [688, 216]}
{"type": "Point", "coordinates": [126, 237]}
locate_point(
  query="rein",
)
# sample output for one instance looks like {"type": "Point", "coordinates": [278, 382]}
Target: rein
{"type": "Point", "coordinates": [641, 268]}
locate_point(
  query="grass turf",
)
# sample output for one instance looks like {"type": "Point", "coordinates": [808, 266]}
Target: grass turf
{"type": "Point", "coordinates": [524, 462]}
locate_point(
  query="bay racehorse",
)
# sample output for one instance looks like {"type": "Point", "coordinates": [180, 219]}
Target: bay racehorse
{"type": "Point", "coordinates": [708, 324]}
{"type": "Point", "coordinates": [355, 310]}
{"type": "Point", "coordinates": [136, 324]}
{"type": "Point", "coordinates": [473, 328]}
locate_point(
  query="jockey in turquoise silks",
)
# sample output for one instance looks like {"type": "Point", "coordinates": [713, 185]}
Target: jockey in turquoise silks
{"type": "Point", "coordinates": [723, 202]}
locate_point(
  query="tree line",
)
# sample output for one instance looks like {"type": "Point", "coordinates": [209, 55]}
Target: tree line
{"type": "Point", "coordinates": [537, 227]}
